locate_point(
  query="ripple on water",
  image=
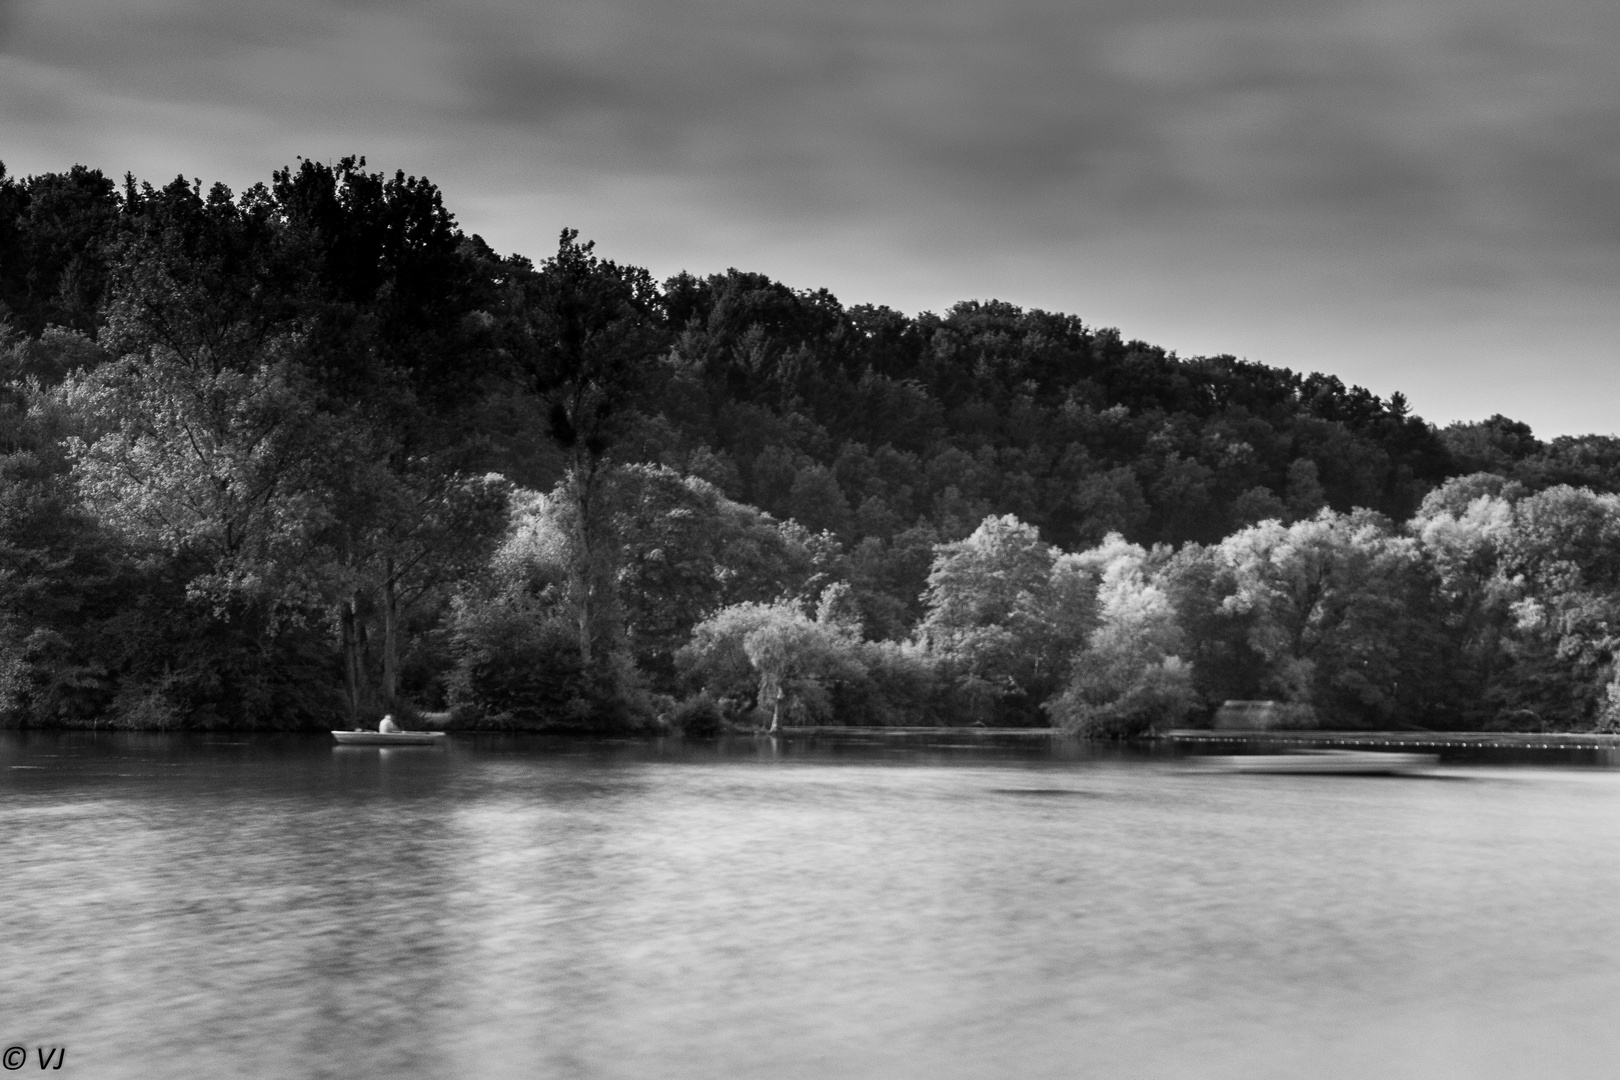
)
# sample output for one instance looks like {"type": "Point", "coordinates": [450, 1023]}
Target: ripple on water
{"type": "Point", "coordinates": [504, 910]}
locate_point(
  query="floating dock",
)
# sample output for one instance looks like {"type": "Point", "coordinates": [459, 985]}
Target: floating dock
{"type": "Point", "coordinates": [1395, 740]}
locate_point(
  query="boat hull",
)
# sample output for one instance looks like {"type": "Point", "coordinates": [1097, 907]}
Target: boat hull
{"type": "Point", "coordinates": [389, 738]}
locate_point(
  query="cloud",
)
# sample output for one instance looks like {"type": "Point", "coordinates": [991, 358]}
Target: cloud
{"type": "Point", "coordinates": [1454, 133]}
{"type": "Point", "coordinates": [1455, 118]}
{"type": "Point", "coordinates": [1203, 166]}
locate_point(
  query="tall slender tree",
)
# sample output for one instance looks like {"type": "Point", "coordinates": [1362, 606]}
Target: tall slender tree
{"type": "Point", "coordinates": [584, 336]}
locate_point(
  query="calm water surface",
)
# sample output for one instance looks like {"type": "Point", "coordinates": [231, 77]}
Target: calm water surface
{"type": "Point", "coordinates": [280, 907]}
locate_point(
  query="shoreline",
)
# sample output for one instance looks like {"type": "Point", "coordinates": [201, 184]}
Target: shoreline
{"type": "Point", "coordinates": [1180, 737]}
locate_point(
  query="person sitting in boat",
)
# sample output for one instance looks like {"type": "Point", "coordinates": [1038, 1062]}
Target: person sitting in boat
{"type": "Point", "coordinates": [388, 727]}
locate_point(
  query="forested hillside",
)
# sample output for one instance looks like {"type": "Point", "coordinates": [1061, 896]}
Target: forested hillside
{"type": "Point", "coordinates": [298, 456]}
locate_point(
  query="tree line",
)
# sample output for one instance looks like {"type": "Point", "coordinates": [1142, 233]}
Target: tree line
{"type": "Point", "coordinates": [304, 454]}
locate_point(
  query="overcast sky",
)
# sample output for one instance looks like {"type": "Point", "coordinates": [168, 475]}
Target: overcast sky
{"type": "Point", "coordinates": [1419, 196]}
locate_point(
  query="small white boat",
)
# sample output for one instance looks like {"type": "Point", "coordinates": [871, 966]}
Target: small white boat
{"type": "Point", "coordinates": [389, 738]}
{"type": "Point", "coordinates": [1341, 762]}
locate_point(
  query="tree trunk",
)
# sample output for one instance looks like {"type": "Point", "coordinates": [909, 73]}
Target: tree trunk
{"type": "Point", "coordinates": [585, 632]}
{"type": "Point", "coordinates": [390, 672]}
{"type": "Point", "coordinates": [351, 659]}
{"type": "Point", "coordinates": [584, 568]}
{"type": "Point", "coordinates": [776, 708]}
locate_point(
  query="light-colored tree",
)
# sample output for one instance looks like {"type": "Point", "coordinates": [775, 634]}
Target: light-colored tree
{"type": "Point", "coordinates": [1531, 587]}
{"type": "Point", "coordinates": [1131, 674]}
{"type": "Point", "coordinates": [1006, 611]}
{"type": "Point", "coordinates": [786, 661]}
{"type": "Point", "coordinates": [1329, 605]}
{"type": "Point", "coordinates": [216, 466]}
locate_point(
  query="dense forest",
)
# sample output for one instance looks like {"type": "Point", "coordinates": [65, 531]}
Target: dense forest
{"type": "Point", "coordinates": [300, 456]}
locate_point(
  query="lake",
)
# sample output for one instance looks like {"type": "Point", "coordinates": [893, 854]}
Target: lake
{"type": "Point", "coordinates": [930, 906]}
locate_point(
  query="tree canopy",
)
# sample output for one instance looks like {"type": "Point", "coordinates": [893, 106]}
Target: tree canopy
{"type": "Point", "coordinates": [311, 452]}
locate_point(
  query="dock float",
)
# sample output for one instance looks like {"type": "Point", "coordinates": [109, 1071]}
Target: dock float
{"type": "Point", "coordinates": [1396, 740]}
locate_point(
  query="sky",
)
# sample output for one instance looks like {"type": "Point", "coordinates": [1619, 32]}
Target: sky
{"type": "Point", "coordinates": [1418, 196]}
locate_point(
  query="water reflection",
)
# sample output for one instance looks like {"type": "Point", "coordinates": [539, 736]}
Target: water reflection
{"type": "Point", "coordinates": [959, 906]}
